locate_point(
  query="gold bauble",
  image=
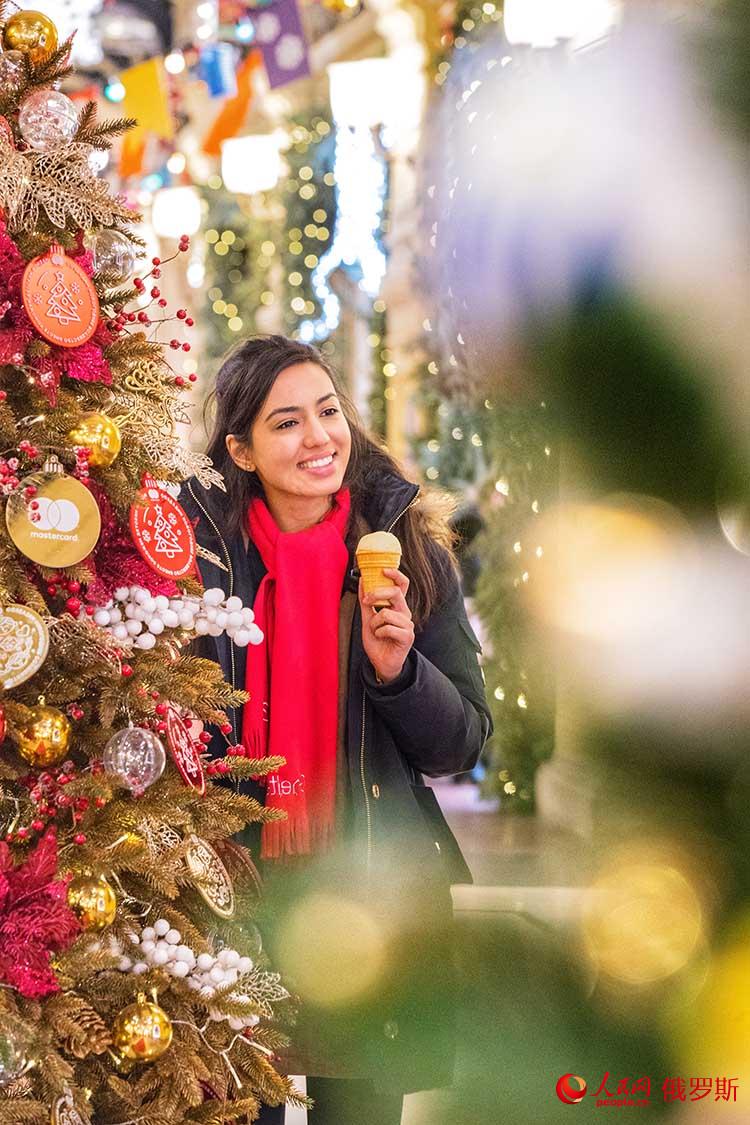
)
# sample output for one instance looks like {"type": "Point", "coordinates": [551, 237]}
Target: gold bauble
{"type": "Point", "coordinates": [142, 1031]}
{"type": "Point", "coordinates": [30, 32]}
{"type": "Point", "coordinates": [93, 901]}
{"type": "Point", "coordinates": [45, 739]}
{"type": "Point", "coordinates": [100, 435]}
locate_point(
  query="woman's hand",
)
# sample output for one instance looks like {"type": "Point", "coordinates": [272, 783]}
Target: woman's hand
{"type": "Point", "coordinates": [387, 634]}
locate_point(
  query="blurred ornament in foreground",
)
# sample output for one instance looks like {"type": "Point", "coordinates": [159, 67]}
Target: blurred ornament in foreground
{"type": "Point", "coordinates": [45, 738]}
{"type": "Point", "coordinates": [142, 1031]}
{"type": "Point", "coordinates": [100, 435]}
{"type": "Point", "coordinates": [47, 119]}
{"type": "Point", "coordinates": [733, 510]}
{"type": "Point", "coordinates": [113, 253]}
{"type": "Point", "coordinates": [24, 643]}
{"type": "Point", "coordinates": [32, 33]}
{"type": "Point", "coordinates": [93, 901]}
{"type": "Point", "coordinates": [346, 961]}
{"type": "Point", "coordinates": [136, 757]}
{"type": "Point", "coordinates": [601, 562]}
{"type": "Point", "coordinates": [629, 933]}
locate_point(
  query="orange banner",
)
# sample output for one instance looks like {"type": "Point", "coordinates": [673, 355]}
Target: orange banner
{"type": "Point", "coordinates": [231, 116]}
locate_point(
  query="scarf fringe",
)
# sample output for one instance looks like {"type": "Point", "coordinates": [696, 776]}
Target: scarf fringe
{"type": "Point", "coordinates": [291, 837]}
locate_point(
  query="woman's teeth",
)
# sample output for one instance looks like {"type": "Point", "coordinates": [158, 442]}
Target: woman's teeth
{"type": "Point", "coordinates": [317, 464]}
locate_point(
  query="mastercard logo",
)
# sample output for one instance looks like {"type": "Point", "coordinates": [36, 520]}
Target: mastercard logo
{"type": "Point", "coordinates": [568, 1091]}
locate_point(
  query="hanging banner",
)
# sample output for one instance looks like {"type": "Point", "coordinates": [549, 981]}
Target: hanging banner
{"type": "Point", "coordinates": [146, 97]}
{"type": "Point", "coordinates": [231, 116]}
{"type": "Point", "coordinates": [217, 68]}
{"type": "Point", "coordinates": [279, 34]}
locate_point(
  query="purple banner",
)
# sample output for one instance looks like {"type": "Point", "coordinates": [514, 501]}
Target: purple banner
{"type": "Point", "coordinates": [279, 34]}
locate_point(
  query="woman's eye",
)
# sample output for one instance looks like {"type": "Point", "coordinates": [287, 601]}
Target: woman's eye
{"type": "Point", "coordinates": [293, 421]}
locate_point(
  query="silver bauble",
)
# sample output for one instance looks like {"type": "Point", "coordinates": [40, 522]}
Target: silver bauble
{"type": "Point", "coordinates": [136, 757]}
{"type": "Point", "coordinates": [47, 119]}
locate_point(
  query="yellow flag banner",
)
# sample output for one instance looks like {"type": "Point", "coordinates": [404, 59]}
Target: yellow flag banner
{"type": "Point", "coordinates": [147, 98]}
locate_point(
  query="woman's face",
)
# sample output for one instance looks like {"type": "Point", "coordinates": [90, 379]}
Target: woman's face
{"type": "Point", "coordinates": [300, 442]}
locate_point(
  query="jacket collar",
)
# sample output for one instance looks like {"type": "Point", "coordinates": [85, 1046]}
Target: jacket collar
{"type": "Point", "coordinates": [386, 496]}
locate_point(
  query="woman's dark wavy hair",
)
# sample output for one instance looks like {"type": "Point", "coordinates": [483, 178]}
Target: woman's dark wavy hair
{"type": "Point", "coordinates": [243, 384]}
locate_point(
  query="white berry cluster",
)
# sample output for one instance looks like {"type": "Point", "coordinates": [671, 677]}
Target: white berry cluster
{"type": "Point", "coordinates": [161, 946]}
{"type": "Point", "coordinates": [135, 616]}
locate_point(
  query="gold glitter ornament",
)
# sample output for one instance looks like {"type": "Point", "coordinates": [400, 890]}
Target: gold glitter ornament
{"type": "Point", "coordinates": [100, 435]}
{"type": "Point", "coordinates": [142, 1031]}
{"type": "Point", "coordinates": [45, 738]}
{"type": "Point", "coordinates": [93, 901]}
{"type": "Point", "coordinates": [33, 33]}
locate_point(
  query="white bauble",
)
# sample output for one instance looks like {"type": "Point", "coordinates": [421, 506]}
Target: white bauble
{"type": "Point", "coordinates": [214, 596]}
{"type": "Point", "coordinates": [161, 927]}
{"type": "Point", "coordinates": [233, 604]}
{"type": "Point", "coordinates": [205, 962]}
{"type": "Point", "coordinates": [242, 638]}
{"type": "Point", "coordinates": [145, 641]}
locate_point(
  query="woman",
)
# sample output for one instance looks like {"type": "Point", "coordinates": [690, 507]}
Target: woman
{"type": "Point", "coordinates": [361, 704]}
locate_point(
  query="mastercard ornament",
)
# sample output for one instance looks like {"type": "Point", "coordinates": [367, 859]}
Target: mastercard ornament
{"type": "Point", "coordinates": [162, 531]}
{"type": "Point", "coordinates": [60, 299]}
{"type": "Point", "coordinates": [64, 526]}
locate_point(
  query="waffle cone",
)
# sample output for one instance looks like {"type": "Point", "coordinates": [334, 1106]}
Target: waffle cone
{"type": "Point", "coordinates": [371, 564]}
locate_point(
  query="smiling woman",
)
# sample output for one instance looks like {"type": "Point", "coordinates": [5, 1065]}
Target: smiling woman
{"type": "Point", "coordinates": [359, 703]}
{"type": "Point", "coordinates": [299, 452]}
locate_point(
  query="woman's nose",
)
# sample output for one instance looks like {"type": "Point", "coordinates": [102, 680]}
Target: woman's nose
{"type": "Point", "coordinates": [315, 433]}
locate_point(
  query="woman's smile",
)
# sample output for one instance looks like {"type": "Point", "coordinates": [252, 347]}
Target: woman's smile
{"type": "Point", "coordinates": [320, 466]}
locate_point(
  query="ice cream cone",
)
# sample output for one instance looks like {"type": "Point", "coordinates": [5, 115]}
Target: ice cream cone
{"type": "Point", "coordinates": [375, 551]}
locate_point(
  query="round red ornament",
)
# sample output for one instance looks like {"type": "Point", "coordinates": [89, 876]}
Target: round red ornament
{"type": "Point", "coordinates": [162, 531]}
{"type": "Point", "coordinates": [184, 752]}
{"type": "Point", "coordinates": [60, 299]}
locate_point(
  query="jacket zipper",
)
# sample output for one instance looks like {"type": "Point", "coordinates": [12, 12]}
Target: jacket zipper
{"type": "Point", "coordinates": [224, 548]}
{"type": "Point", "coordinates": [362, 743]}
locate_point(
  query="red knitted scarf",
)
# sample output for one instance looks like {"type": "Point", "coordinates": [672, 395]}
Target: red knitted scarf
{"type": "Point", "coordinates": [292, 677]}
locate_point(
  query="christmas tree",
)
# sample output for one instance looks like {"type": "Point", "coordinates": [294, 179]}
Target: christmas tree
{"type": "Point", "coordinates": [133, 982]}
